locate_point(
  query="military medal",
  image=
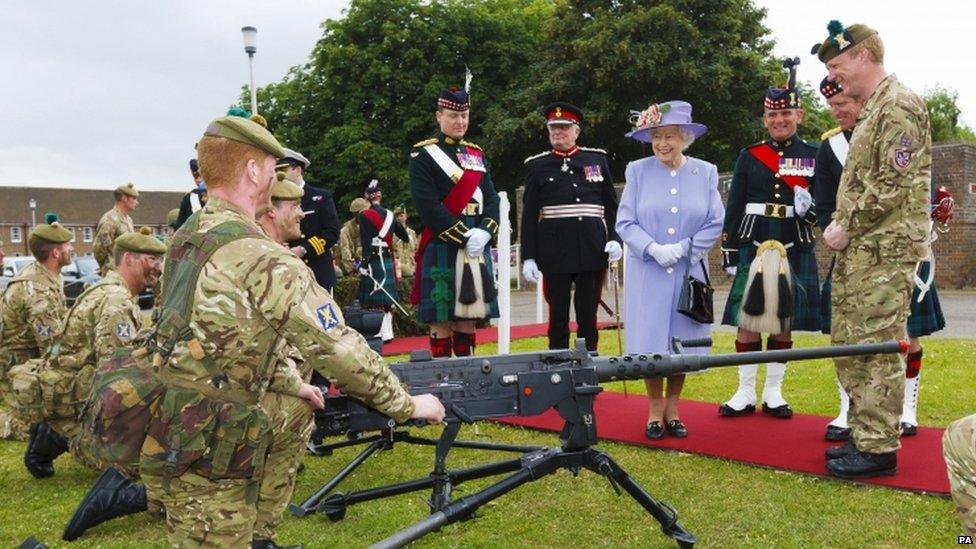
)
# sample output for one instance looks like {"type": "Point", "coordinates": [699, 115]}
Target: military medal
{"type": "Point", "coordinates": [593, 173]}
{"type": "Point", "coordinates": [797, 166]}
{"type": "Point", "coordinates": [565, 167]}
{"type": "Point", "coordinates": [472, 162]}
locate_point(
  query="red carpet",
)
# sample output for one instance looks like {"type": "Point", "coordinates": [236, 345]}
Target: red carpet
{"type": "Point", "coordinates": [403, 345]}
{"type": "Point", "coordinates": [796, 444]}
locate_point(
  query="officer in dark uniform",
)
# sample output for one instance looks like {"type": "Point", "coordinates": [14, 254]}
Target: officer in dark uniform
{"type": "Point", "coordinates": [320, 226]}
{"type": "Point", "coordinates": [568, 217]}
{"type": "Point", "coordinates": [769, 200]}
{"type": "Point", "coordinates": [195, 199]}
{"type": "Point", "coordinates": [378, 281]}
{"type": "Point", "coordinates": [456, 200]}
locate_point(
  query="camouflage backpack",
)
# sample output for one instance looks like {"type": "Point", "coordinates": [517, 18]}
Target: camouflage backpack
{"type": "Point", "coordinates": [127, 390]}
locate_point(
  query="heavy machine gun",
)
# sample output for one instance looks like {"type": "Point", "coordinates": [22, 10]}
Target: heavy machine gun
{"type": "Point", "coordinates": [523, 384]}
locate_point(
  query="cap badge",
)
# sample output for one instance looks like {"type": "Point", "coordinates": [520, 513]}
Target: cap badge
{"type": "Point", "coordinates": [559, 112]}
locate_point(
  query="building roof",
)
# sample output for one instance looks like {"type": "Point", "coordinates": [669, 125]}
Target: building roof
{"type": "Point", "coordinates": [82, 206]}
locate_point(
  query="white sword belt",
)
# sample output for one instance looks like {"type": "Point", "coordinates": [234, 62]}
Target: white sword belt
{"type": "Point", "coordinates": [378, 242]}
{"type": "Point", "coordinates": [571, 210]}
{"type": "Point", "coordinates": [779, 211]}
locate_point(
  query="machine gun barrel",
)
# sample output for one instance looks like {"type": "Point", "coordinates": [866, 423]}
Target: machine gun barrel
{"type": "Point", "coordinates": [638, 366]}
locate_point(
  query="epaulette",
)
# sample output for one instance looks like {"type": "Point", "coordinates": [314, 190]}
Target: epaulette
{"type": "Point", "coordinates": [426, 142]}
{"type": "Point", "coordinates": [830, 133]}
{"type": "Point", "coordinates": [470, 144]}
{"type": "Point", "coordinates": [593, 149]}
{"type": "Point", "coordinates": [534, 156]}
{"type": "Point", "coordinates": [754, 145]}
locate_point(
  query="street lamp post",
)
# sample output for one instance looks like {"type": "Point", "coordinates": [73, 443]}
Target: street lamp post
{"type": "Point", "coordinates": [250, 48]}
{"type": "Point", "coordinates": [33, 207]}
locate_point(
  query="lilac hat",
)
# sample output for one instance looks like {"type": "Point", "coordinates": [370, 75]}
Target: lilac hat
{"type": "Point", "coordinates": [669, 113]}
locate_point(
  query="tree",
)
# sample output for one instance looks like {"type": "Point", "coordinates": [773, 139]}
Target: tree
{"type": "Point", "coordinates": [944, 116]}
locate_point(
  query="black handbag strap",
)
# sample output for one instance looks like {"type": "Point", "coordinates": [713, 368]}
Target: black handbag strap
{"type": "Point", "coordinates": [691, 247]}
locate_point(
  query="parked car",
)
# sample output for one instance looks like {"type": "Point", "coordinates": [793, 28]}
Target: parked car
{"type": "Point", "coordinates": [83, 272]}
{"type": "Point", "coordinates": [12, 265]}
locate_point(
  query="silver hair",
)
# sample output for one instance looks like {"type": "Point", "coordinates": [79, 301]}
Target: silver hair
{"type": "Point", "coordinates": [686, 135]}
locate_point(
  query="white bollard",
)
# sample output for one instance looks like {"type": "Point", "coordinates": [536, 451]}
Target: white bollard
{"type": "Point", "coordinates": [504, 270]}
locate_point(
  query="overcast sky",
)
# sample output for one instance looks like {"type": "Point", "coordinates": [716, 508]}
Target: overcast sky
{"type": "Point", "coordinates": [98, 93]}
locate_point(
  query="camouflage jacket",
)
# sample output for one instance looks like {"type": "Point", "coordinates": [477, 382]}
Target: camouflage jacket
{"type": "Point", "coordinates": [254, 297]}
{"type": "Point", "coordinates": [883, 198]}
{"type": "Point", "coordinates": [31, 312]}
{"type": "Point", "coordinates": [404, 252]}
{"type": "Point", "coordinates": [105, 318]}
{"type": "Point", "coordinates": [350, 248]}
{"type": "Point", "coordinates": [112, 224]}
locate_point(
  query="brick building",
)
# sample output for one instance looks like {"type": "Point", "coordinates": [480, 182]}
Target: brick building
{"type": "Point", "coordinates": [954, 166]}
{"type": "Point", "coordinates": [80, 210]}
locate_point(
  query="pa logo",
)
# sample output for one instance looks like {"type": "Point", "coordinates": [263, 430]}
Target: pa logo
{"type": "Point", "coordinates": [964, 540]}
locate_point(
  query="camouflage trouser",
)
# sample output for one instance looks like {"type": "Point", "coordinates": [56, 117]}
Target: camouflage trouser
{"type": "Point", "coordinates": [206, 513]}
{"type": "Point", "coordinates": [870, 305]}
{"type": "Point", "coordinates": [11, 426]}
{"type": "Point", "coordinates": [959, 449]}
{"type": "Point", "coordinates": [291, 426]}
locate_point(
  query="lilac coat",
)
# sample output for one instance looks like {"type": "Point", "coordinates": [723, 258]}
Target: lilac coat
{"type": "Point", "coordinates": [657, 206]}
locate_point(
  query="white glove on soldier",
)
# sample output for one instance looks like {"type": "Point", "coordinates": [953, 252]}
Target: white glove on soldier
{"type": "Point", "coordinates": [802, 201]}
{"type": "Point", "coordinates": [666, 255]}
{"type": "Point", "coordinates": [477, 239]}
{"type": "Point", "coordinates": [530, 271]}
{"type": "Point", "coordinates": [613, 248]}
{"type": "Point", "coordinates": [731, 270]}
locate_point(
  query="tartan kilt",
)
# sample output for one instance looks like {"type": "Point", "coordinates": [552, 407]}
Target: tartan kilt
{"type": "Point", "coordinates": [383, 272]}
{"type": "Point", "coordinates": [806, 288]}
{"type": "Point", "coordinates": [437, 272]}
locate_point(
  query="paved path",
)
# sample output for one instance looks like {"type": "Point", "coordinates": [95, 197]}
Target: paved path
{"type": "Point", "coordinates": [958, 307]}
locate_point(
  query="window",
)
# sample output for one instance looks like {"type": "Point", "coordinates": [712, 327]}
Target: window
{"type": "Point", "coordinates": [72, 231]}
{"type": "Point", "coordinates": [16, 235]}
{"type": "Point", "coordinates": [86, 234]}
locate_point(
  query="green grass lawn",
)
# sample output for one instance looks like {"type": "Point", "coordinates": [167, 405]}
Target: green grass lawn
{"type": "Point", "coordinates": [724, 504]}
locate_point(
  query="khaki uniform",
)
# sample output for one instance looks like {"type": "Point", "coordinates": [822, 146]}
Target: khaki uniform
{"type": "Point", "coordinates": [959, 449]}
{"type": "Point", "coordinates": [207, 442]}
{"type": "Point", "coordinates": [112, 225]}
{"type": "Point", "coordinates": [882, 204]}
{"type": "Point", "coordinates": [350, 248]}
{"type": "Point", "coordinates": [404, 252]}
{"type": "Point", "coordinates": [31, 312]}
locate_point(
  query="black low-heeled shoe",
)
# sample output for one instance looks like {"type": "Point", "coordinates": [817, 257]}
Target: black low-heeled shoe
{"type": "Point", "coordinates": [654, 430]}
{"type": "Point", "coordinates": [677, 429]}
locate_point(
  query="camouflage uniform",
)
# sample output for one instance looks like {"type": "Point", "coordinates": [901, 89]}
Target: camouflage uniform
{"type": "Point", "coordinates": [112, 225]}
{"type": "Point", "coordinates": [404, 250]}
{"type": "Point", "coordinates": [206, 444]}
{"type": "Point", "coordinates": [350, 248]}
{"type": "Point", "coordinates": [959, 449]}
{"type": "Point", "coordinates": [882, 204]}
{"type": "Point", "coordinates": [31, 312]}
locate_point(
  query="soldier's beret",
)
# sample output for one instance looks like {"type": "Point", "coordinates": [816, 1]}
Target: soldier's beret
{"type": "Point", "coordinates": [282, 189]}
{"type": "Point", "coordinates": [840, 39]}
{"type": "Point", "coordinates": [293, 157]}
{"type": "Point", "coordinates": [172, 216]}
{"type": "Point", "coordinates": [358, 204]}
{"type": "Point", "coordinates": [245, 131]}
{"type": "Point", "coordinates": [141, 242]}
{"type": "Point", "coordinates": [53, 233]}
{"type": "Point", "coordinates": [194, 166]}
{"type": "Point", "coordinates": [561, 112]}
{"type": "Point", "coordinates": [128, 189]}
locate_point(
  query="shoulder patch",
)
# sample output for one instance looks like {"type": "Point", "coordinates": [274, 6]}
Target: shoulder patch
{"type": "Point", "coordinates": [470, 144]}
{"type": "Point", "coordinates": [830, 133]}
{"type": "Point", "coordinates": [534, 156]}
{"type": "Point", "coordinates": [123, 330]}
{"type": "Point", "coordinates": [593, 149]}
{"type": "Point", "coordinates": [327, 316]}
{"type": "Point", "coordinates": [426, 142]}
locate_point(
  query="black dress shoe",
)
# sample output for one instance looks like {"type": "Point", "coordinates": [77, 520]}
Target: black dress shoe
{"type": "Point", "coordinates": [270, 544]}
{"type": "Point", "coordinates": [112, 495]}
{"type": "Point", "coordinates": [908, 430]}
{"type": "Point", "coordinates": [835, 452]}
{"type": "Point", "coordinates": [782, 412]}
{"type": "Point", "coordinates": [44, 446]}
{"type": "Point", "coordinates": [654, 430]}
{"type": "Point", "coordinates": [837, 434]}
{"type": "Point", "coordinates": [677, 429]}
{"type": "Point", "coordinates": [728, 411]}
{"type": "Point", "coordinates": [862, 465]}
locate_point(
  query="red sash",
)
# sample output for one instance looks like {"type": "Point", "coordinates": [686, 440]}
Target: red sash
{"type": "Point", "coordinates": [768, 157]}
{"type": "Point", "coordinates": [455, 201]}
{"type": "Point", "coordinates": [378, 220]}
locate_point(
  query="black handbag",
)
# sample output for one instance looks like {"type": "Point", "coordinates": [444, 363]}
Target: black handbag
{"type": "Point", "coordinates": [696, 300]}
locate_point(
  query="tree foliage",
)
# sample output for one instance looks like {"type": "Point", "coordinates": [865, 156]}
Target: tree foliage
{"type": "Point", "coordinates": [944, 116]}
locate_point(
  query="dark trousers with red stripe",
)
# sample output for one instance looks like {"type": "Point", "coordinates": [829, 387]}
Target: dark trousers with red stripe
{"type": "Point", "coordinates": [557, 288]}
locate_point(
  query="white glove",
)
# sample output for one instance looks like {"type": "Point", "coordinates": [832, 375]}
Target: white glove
{"type": "Point", "coordinates": [666, 255]}
{"type": "Point", "coordinates": [802, 201]}
{"type": "Point", "coordinates": [477, 239]}
{"type": "Point", "coordinates": [364, 271]}
{"type": "Point", "coordinates": [731, 270]}
{"type": "Point", "coordinates": [613, 248]}
{"type": "Point", "coordinates": [530, 271]}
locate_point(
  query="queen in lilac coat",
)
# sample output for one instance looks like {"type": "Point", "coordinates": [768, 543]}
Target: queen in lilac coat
{"type": "Point", "coordinates": [670, 215]}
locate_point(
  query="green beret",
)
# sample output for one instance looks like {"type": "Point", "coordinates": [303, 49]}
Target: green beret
{"type": "Point", "coordinates": [172, 216]}
{"type": "Point", "coordinates": [358, 204]}
{"type": "Point", "coordinates": [402, 208]}
{"type": "Point", "coordinates": [52, 233]}
{"type": "Point", "coordinates": [141, 241]}
{"type": "Point", "coordinates": [128, 189]}
{"type": "Point", "coordinates": [841, 39]}
{"type": "Point", "coordinates": [245, 131]}
{"type": "Point", "coordinates": [286, 190]}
